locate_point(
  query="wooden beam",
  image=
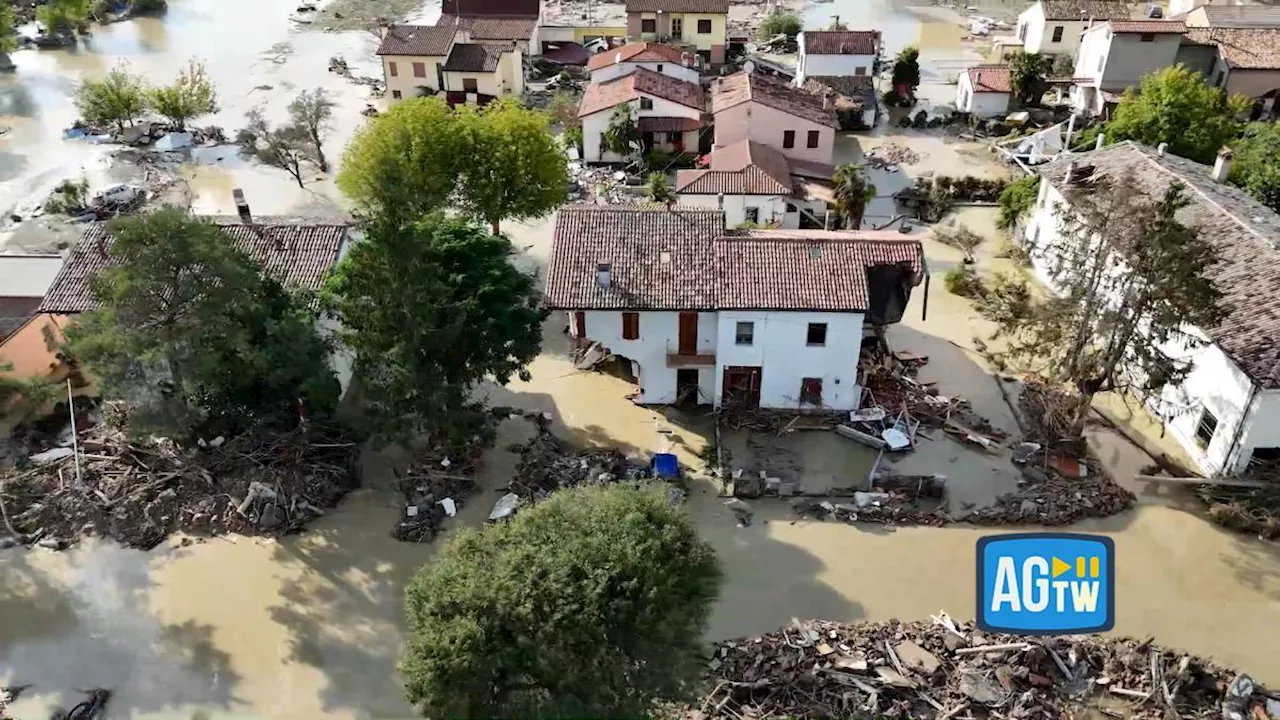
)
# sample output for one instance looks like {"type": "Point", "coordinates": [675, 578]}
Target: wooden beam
{"type": "Point", "coordinates": [1228, 482]}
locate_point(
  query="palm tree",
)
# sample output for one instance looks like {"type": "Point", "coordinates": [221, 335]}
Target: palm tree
{"type": "Point", "coordinates": [852, 194]}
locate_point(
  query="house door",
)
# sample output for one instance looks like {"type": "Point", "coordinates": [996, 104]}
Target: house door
{"type": "Point", "coordinates": [677, 28]}
{"type": "Point", "coordinates": [688, 334]}
{"type": "Point", "coordinates": [687, 386]}
{"type": "Point", "coordinates": [741, 386]}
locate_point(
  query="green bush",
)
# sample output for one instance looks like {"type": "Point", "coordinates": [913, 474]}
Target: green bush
{"type": "Point", "coordinates": [964, 281]}
{"type": "Point", "coordinates": [1017, 198]}
{"type": "Point", "coordinates": [780, 24]}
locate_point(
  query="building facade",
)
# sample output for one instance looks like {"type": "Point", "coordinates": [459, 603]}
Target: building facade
{"type": "Point", "coordinates": [1116, 55]}
{"type": "Point", "coordinates": [754, 185]}
{"type": "Point", "coordinates": [469, 59]}
{"type": "Point", "coordinates": [701, 25]}
{"type": "Point", "coordinates": [797, 123]}
{"type": "Point", "coordinates": [984, 91]}
{"type": "Point", "coordinates": [667, 112]}
{"type": "Point", "coordinates": [1055, 27]}
{"type": "Point", "coordinates": [837, 53]}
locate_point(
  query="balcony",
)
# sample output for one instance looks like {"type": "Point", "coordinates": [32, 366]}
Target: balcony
{"type": "Point", "coordinates": [677, 360]}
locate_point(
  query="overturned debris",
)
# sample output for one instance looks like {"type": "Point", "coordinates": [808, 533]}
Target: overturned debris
{"type": "Point", "coordinates": [548, 464]}
{"type": "Point", "coordinates": [434, 487]}
{"type": "Point", "coordinates": [943, 670]}
{"type": "Point", "coordinates": [1055, 500]}
{"type": "Point", "coordinates": [139, 491]}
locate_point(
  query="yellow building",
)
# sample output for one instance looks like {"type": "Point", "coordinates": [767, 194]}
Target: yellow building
{"type": "Point", "coordinates": [699, 24]}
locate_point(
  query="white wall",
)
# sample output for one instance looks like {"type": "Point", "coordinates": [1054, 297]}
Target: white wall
{"type": "Point", "coordinates": [404, 81]}
{"type": "Point", "coordinates": [1030, 27]}
{"type": "Point", "coordinates": [780, 351]}
{"type": "Point", "coordinates": [1126, 59]}
{"type": "Point", "coordinates": [980, 104]}
{"type": "Point", "coordinates": [670, 69]}
{"type": "Point", "coordinates": [809, 64]}
{"type": "Point", "coordinates": [594, 125]}
{"type": "Point", "coordinates": [771, 208]}
{"type": "Point", "coordinates": [659, 335]}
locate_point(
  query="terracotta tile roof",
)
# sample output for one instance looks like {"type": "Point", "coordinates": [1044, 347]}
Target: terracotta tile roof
{"type": "Point", "coordinates": [299, 256]}
{"type": "Point", "coordinates": [1245, 48]}
{"type": "Point", "coordinates": [1239, 16]}
{"type": "Point", "coordinates": [1085, 10]}
{"type": "Point", "coordinates": [853, 86]}
{"type": "Point", "coordinates": [512, 8]}
{"type": "Point", "coordinates": [678, 6]}
{"type": "Point", "coordinates": [841, 42]}
{"type": "Point", "coordinates": [733, 90]}
{"type": "Point", "coordinates": [419, 40]}
{"type": "Point", "coordinates": [493, 27]}
{"type": "Point", "coordinates": [743, 168]}
{"type": "Point", "coordinates": [667, 124]}
{"type": "Point", "coordinates": [476, 57]}
{"type": "Point", "coordinates": [662, 259]}
{"type": "Point", "coordinates": [1174, 27]}
{"type": "Point", "coordinates": [990, 78]}
{"type": "Point", "coordinates": [636, 52]}
{"type": "Point", "coordinates": [602, 96]}
{"type": "Point", "coordinates": [1245, 232]}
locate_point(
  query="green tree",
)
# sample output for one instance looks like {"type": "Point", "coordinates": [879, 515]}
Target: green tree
{"type": "Point", "coordinates": [622, 135]}
{"type": "Point", "coordinates": [189, 96]}
{"type": "Point", "coordinates": [309, 114]}
{"type": "Point", "coordinates": [562, 110]}
{"type": "Point", "coordinates": [286, 147]}
{"type": "Point", "coordinates": [117, 99]}
{"type": "Point", "coordinates": [852, 194]}
{"type": "Point", "coordinates": [1027, 76]}
{"type": "Point", "coordinates": [19, 397]}
{"type": "Point", "coordinates": [590, 604]}
{"type": "Point", "coordinates": [906, 75]}
{"type": "Point", "coordinates": [406, 161]}
{"type": "Point", "coordinates": [1131, 276]}
{"type": "Point", "coordinates": [65, 17]}
{"type": "Point", "coordinates": [8, 35]}
{"type": "Point", "coordinates": [1016, 199]}
{"type": "Point", "coordinates": [1177, 106]}
{"type": "Point", "coordinates": [660, 188]}
{"type": "Point", "coordinates": [1255, 167]}
{"type": "Point", "coordinates": [514, 167]}
{"type": "Point", "coordinates": [780, 24]}
{"type": "Point", "coordinates": [191, 332]}
{"type": "Point", "coordinates": [430, 308]}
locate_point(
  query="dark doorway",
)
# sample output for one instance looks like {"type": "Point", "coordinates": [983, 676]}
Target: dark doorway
{"type": "Point", "coordinates": [688, 334]}
{"type": "Point", "coordinates": [687, 386]}
{"type": "Point", "coordinates": [741, 386]}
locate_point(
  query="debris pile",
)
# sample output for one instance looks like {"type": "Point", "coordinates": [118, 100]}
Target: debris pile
{"type": "Point", "coordinates": [434, 487]}
{"type": "Point", "coordinates": [899, 506]}
{"type": "Point", "coordinates": [548, 464]}
{"type": "Point", "coordinates": [1056, 500]}
{"type": "Point", "coordinates": [1253, 510]}
{"type": "Point", "coordinates": [890, 155]}
{"type": "Point", "coordinates": [943, 670]}
{"type": "Point", "coordinates": [138, 491]}
{"type": "Point", "coordinates": [1047, 412]}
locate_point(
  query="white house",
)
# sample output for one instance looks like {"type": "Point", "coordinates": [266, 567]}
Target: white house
{"type": "Point", "coordinates": [706, 315]}
{"type": "Point", "coordinates": [837, 53]}
{"type": "Point", "coordinates": [662, 59]}
{"type": "Point", "coordinates": [799, 123]}
{"type": "Point", "coordinates": [984, 91]}
{"type": "Point", "coordinates": [1054, 27]}
{"type": "Point", "coordinates": [1115, 55]}
{"type": "Point", "coordinates": [667, 112]}
{"type": "Point", "coordinates": [754, 183]}
{"type": "Point", "coordinates": [1227, 410]}
{"type": "Point", "coordinates": [469, 59]}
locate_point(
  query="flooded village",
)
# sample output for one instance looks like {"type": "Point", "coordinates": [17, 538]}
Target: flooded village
{"type": "Point", "coordinates": [813, 509]}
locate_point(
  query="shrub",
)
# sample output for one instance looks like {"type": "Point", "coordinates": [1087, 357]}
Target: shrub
{"type": "Point", "coordinates": [1017, 199]}
{"type": "Point", "coordinates": [964, 281]}
{"type": "Point", "coordinates": [780, 24]}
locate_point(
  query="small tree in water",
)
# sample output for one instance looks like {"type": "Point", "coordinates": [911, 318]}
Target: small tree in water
{"type": "Point", "coordinates": [286, 147]}
{"type": "Point", "coordinates": [117, 99]}
{"type": "Point", "coordinates": [310, 113]}
{"type": "Point", "coordinates": [852, 194]}
{"type": "Point", "coordinates": [189, 96]}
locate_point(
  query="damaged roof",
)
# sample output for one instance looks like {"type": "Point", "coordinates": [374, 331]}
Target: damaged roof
{"type": "Point", "coordinates": [738, 88]}
{"type": "Point", "coordinates": [430, 40]}
{"type": "Point", "coordinates": [841, 42]}
{"type": "Point", "coordinates": [682, 259]}
{"type": "Point", "coordinates": [743, 168]}
{"type": "Point", "coordinates": [1245, 233]}
{"type": "Point", "coordinates": [1243, 48]}
{"type": "Point", "coordinates": [476, 57]}
{"type": "Point", "coordinates": [296, 255]}
{"type": "Point", "coordinates": [605, 95]}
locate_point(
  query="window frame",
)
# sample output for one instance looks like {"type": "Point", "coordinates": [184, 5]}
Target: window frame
{"type": "Point", "coordinates": [646, 103]}
{"type": "Point", "coordinates": [395, 95]}
{"type": "Point", "coordinates": [788, 139]}
{"type": "Point", "coordinates": [1146, 37]}
{"type": "Point", "coordinates": [750, 333]}
{"type": "Point", "coordinates": [1202, 442]}
{"type": "Point", "coordinates": [1058, 31]}
{"type": "Point", "coordinates": [649, 25]}
{"type": "Point", "coordinates": [815, 328]}
{"type": "Point", "coordinates": [751, 215]}
{"type": "Point", "coordinates": [814, 137]}
{"type": "Point", "coordinates": [475, 85]}
{"type": "Point", "coordinates": [630, 326]}
{"type": "Point", "coordinates": [707, 25]}
{"type": "Point", "coordinates": [419, 66]}
{"type": "Point", "coordinates": [392, 70]}
{"type": "Point", "coordinates": [811, 391]}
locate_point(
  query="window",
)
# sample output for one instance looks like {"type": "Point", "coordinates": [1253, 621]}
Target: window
{"type": "Point", "coordinates": [788, 138]}
{"type": "Point", "coordinates": [630, 326]}
{"type": "Point", "coordinates": [753, 214]}
{"type": "Point", "coordinates": [659, 67]}
{"type": "Point", "coordinates": [392, 70]}
{"type": "Point", "coordinates": [646, 103]}
{"type": "Point", "coordinates": [419, 69]}
{"type": "Point", "coordinates": [813, 139]}
{"type": "Point", "coordinates": [811, 391]}
{"type": "Point", "coordinates": [677, 27]}
{"type": "Point", "coordinates": [859, 70]}
{"type": "Point", "coordinates": [395, 94]}
{"type": "Point", "coordinates": [1101, 59]}
{"type": "Point", "coordinates": [649, 25]}
{"type": "Point", "coordinates": [469, 85]}
{"type": "Point", "coordinates": [1022, 33]}
{"type": "Point", "coordinates": [1057, 33]}
{"type": "Point", "coordinates": [744, 333]}
{"type": "Point", "coordinates": [817, 334]}
{"type": "Point", "coordinates": [1147, 37]}
{"type": "Point", "coordinates": [704, 27]}
{"type": "Point", "coordinates": [673, 137]}
{"type": "Point", "coordinates": [1207, 426]}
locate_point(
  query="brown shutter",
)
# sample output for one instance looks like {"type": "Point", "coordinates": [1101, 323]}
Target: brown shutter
{"type": "Point", "coordinates": [630, 326]}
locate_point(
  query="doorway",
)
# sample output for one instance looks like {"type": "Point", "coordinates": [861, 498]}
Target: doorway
{"type": "Point", "coordinates": [687, 386]}
{"type": "Point", "coordinates": [688, 334]}
{"type": "Point", "coordinates": [677, 28]}
{"type": "Point", "coordinates": [741, 386]}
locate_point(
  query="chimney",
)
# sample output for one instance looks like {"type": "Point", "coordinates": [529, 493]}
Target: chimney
{"type": "Point", "coordinates": [604, 274]}
{"type": "Point", "coordinates": [1161, 148]}
{"type": "Point", "coordinates": [1222, 166]}
{"type": "Point", "coordinates": [1071, 172]}
{"type": "Point", "coordinates": [242, 206]}
{"type": "Point", "coordinates": [1097, 145]}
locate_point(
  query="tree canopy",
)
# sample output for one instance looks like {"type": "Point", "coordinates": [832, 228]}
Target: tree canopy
{"type": "Point", "coordinates": [1131, 278]}
{"type": "Point", "coordinates": [853, 191]}
{"type": "Point", "coordinates": [514, 167]}
{"type": "Point", "coordinates": [1177, 106]}
{"type": "Point", "coordinates": [1027, 76]}
{"type": "Point", "coordinates": [906, 74]}
{"type": "Point", "coordinates": [309, 115]}
{"type": "Point", "coordinates": [780, 24]}
{"type": "Point", "coordinates": [1256, 164]}
{"type": "Point", "coordinates": [430, 308]}
{"type": "Point", "coordinates": [117, 99]}
{"type": "Point", "coordinates": [189, 96]}
{"type": "Point", "coordinates": [592, 603]}
{"type": "Point", "coordinates": [192, 332]}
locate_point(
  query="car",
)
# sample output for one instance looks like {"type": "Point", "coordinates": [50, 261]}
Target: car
{"type": "Point", "coordinates": [116, 195]}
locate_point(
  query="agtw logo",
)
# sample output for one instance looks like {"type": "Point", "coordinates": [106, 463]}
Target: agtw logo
{"type": "Point", "coordinates": [1046, 583]}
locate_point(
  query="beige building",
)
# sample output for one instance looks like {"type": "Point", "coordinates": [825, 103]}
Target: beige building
{"type": "Point", "coordinates": [698, 24]}
{"type": "Point", "coordinates": [468, 59]}
{"type": "Point", "coordinates": [1240, 60]}
{"type": "Point", "coordinates": [797, 123]}
{"type": "Point", "coordinates": [667, 113]}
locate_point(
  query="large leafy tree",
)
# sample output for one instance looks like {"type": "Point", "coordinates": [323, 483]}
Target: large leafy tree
{"type": "Point", "coordinates": [514, 167]}
{"type": "Point", "coordinates": [906, 74]}
{"type": "Point", "coordinates": [1256, 166]}
{"type": "Point", "coordinates": [853, 191]}
{"type": "Point", "coordinates": [189, 96]}
{"type": "Point", "coordinates": [622, 135]}
{"type": "Point", "coordinates": [1131, 277]}
{"type": "Point", "coordinates": [1177, 106]}
{"type": "Point", "coordinates": [117, 99]}
{"type": "Point", "coordinates": [192, 332]}
{"type": "Point", "coordinates": [591, 604]}
{"type": "Point", "coordinates": [1027, 73]}
{"type": "Point", "coordinates": [780, 23]}
{"type": "Point", "coordinates": [430, 308]}
{"type": "Point", "coordinates": [405, 162]}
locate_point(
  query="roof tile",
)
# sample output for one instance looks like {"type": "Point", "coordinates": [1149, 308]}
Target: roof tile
{"type": "Point", "coordinates": [1172, 27]}
{"type": "Point", "coordinates": [733, 90]}
{"type": "Point", "coordinates": [990, 78]}
{"type": "Point", "coordinates": [495, 27]}
{"type": "Point", "coordinates": [680, 6]}
{"type": "Point", "coordinates": [841, 42]}
{"type": "Point", "coordinates": [605, 95]}
{"type": "Point", "coordinates": [430, 40]}
{"type": "Point", "coordinates": [1086, 10]}
{"type": "Point", "coordinates": [476, 57]}
{"type": "Point", "coordinates": [637, 52]}
{"type": "Point", "coordinates": [1246, 48]}
{"type": "Point", "coordinates": [743, 168]}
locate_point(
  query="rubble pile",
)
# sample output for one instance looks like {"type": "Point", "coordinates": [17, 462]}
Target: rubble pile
{"type": "Point", "coordinates": [548, 464]}
{"type": "Point", "coordinates": [891, 154]}
{"type": "Point", "coordinates": [434, 487]}
{"type": "Point", "coordinates": [139, 491]}
{"type": "Point", "coordinates": [896, 507]}
{"type": "Point", "coordinates": [1244, 509]}
{"type": "Point", "coordinates": [1047, 413]}
{"type": "Point", "coordinates": [943, 670]}
{"type": "Point", "coordinates": [1055, 500]}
